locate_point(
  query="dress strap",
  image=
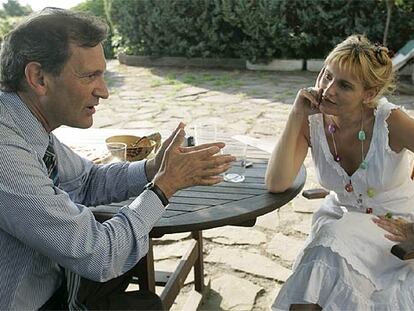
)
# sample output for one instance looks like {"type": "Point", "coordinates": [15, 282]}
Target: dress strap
{"type": "Point", "coordinates": [382, 113]}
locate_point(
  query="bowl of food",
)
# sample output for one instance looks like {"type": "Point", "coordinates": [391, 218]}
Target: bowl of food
{"type": "Point", "coordinates": [138, 148]}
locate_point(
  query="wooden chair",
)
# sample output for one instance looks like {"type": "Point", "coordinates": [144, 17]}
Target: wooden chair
{"type": "Point", "coordinates": [171, 281]}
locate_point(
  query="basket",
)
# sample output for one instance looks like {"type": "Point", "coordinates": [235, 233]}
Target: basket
{"type": "Point", "coordinates": [138, 148]}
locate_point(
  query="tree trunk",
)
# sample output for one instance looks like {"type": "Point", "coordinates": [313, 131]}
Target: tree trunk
{"type": "Point", "coordinates": [390, 4]}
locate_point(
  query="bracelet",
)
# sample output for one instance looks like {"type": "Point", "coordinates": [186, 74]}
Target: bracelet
{"type": "Point", "coordinates": [157, 190]}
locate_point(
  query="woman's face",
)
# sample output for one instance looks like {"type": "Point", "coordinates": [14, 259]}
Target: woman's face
{"type": "Point", "coordinates": [343, 92]}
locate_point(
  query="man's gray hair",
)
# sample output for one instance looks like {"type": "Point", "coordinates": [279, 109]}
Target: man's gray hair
{"type": "Point", "coordinates": [45, 37]}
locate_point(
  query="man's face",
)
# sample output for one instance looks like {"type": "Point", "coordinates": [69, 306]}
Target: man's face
{"type": "Point", "coordinates": [72, 96]}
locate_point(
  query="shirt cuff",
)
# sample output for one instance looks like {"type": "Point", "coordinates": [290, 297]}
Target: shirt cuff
{"type": "Point", "coordinates": [137, 178]}
{"type": "Point", "coordinates": [147, 209]}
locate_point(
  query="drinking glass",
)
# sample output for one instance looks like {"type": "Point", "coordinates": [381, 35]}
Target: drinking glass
{"type": "Point", "coordinates": [117, 153]}
{"type": "Point", "coordinates": [205, 133]}
{"type": "Point", "coordinates": [237, 172]}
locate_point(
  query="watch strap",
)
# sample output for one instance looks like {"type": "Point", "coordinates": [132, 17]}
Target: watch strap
{"type": "Point", "coordinates": [157, 190]}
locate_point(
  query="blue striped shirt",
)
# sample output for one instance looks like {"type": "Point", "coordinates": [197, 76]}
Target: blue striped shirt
{"type": "Point", "coordinates": [44, 228]}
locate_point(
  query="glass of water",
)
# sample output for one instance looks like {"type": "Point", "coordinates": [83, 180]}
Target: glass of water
{"type": "Point", "coordinates": [205, 132]}
{"type": "Point", "coordinates": [237, 171]}
{"type": "Point", "coordinates": [117, 153]}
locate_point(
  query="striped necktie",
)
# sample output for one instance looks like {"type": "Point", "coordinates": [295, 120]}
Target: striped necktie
{"type": "Point", "coordinates": [72, 279]}
{"type": "Point", "coordinates": [51, 163]}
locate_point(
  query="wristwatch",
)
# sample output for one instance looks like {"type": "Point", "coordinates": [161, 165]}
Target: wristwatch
{"type": "Point", "coordinates": [154, 188]}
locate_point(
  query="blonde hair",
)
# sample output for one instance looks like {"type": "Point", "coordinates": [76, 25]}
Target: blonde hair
{"type": "Point", "coordinates": [370, 62]}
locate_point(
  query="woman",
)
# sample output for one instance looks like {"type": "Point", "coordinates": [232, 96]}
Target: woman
{"type": "Point", "coordinates": [358, 142]}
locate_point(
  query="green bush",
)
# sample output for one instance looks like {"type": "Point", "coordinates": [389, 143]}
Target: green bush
{"type": "Point", "coordinates": [252, 29]}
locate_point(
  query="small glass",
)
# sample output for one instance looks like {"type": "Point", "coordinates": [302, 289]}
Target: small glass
{"type": "Point", "coordinates": [117, 153]}
{"type": "Point", "coordinates": [205, 133]}
{"type": "Point", "coordinates": [237, 172]}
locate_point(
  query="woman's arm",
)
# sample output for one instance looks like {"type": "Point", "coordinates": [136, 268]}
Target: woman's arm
{"type": "Point", "coordinates": [292, 147]}
{"type": "Point", "coordinates": [401, 131]}
{"type": "Point", "coordinates": [288, 155]}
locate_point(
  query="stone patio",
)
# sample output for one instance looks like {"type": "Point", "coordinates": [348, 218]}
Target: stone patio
{"type": "Point", "coordinates": [246, 266]}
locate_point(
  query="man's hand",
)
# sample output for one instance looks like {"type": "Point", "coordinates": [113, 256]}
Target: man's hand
{"type": "Point", "coordinates": [153, 165]}
{"type": "Point", "coordinates": [183, 167]}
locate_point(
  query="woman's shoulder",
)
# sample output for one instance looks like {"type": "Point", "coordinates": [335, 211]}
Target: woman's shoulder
{"type": "Point", "coordinates": [385, 110]}
{"type": "Point", "coordinates": [385, 106]}
{"type": "Point", "coordinates": [400, 128]}
{"type": "Point", "coordinates": [389, 112]}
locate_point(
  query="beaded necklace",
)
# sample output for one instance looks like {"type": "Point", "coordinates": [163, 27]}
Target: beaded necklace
{"type": "Point", "coordinates": [364, 164]}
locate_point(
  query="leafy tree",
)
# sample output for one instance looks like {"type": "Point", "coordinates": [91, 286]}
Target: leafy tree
{"type": "Point", "coordinates": [7, 24]}
{"type": "Point", "coordinates": [13, 8]}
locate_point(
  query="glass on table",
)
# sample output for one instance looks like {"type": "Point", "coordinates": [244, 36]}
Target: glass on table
{"type": "Point", "coordinates": [205, 132]}
{"type": "Point", "coordinates": [117, 153]}
{"type": "Point", "coordinates": [237, 172]}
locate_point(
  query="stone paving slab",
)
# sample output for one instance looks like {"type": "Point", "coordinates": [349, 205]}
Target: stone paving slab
{"type": "Point", "coordinates": [257, 259]}
{"type": "Point", "coordinates": [231, 235]}
{"type": "Point", "coordinates": [285, 247]}
{"type": "Point", "coordinates": [245, 261]}
{"type": "Point", "coordinates": [239, 297]}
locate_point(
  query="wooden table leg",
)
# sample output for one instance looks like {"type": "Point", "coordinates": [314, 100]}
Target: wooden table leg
{"type": "Point", "coordinates": [177, 278]}
{"type": "Point", "coordinates": [145, 271]}
{"type": "Point", "coordinates": [199, 263]}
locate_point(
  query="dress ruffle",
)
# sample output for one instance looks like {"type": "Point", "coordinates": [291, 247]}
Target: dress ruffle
{"type": "Point", "coordinates": [329, 281]}
{"type": "Point", "coordinates": [386, 114]}
{"type": "Point", "coordinates": [320, 279]}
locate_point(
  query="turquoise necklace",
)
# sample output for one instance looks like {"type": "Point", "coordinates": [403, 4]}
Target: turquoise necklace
{"type": "Point", "coordinates": [332, 128]}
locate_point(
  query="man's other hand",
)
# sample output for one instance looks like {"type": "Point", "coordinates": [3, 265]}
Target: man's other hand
{"type": "Point", "coordinates": [153, 165]}
{"type": "Point", "coordinates": [183, 167]}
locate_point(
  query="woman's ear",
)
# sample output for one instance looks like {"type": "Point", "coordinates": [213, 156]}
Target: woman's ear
{"type": "Point", "coordinates": [35, 78]}
{"type": "Point", "coordinates": [370, 94]}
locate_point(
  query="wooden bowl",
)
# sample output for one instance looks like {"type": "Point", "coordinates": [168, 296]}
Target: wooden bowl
{"type": "Point", "coordinates": [138, 148]}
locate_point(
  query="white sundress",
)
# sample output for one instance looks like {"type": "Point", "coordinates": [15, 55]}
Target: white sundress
{"type": "Point", "coordinates": [346, 262]}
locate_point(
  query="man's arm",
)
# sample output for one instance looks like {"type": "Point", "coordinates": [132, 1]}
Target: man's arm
{"type": "Point", "coordinates": [90, 184]}
{"type": "Point", "coordinates": [44, 218]}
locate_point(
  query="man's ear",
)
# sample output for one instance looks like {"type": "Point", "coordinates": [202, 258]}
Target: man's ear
{"type": "Point", "coordinates": [370, 94]}
{"type": "Point", "coordinates": [35, 78]}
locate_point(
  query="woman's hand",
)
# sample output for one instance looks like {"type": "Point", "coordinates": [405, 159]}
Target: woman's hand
{"type": "Point", "coordinates": [400, 230]}
{"type": "Point", "coordinates": [307, 101]}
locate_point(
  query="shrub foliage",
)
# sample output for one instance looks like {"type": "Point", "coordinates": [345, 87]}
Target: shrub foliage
{"type": "Point", "coordinates": [252, 29]}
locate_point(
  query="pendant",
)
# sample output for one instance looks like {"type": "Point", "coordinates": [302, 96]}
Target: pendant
{"type": "Point", "coordinates": [363, 165]}
{"type": "Point", "coordinates": [368, 210]}
{"type": "Point", "coordinates": [331, 128]}
{"type": "Point", "coordinates": [361, 135]}
{"type": "Point", "coordinates": [349, 187]}
{"type": "Point", "coordinates": [337, 158]}
{"type": "Point", "coordinates": [370, 192]}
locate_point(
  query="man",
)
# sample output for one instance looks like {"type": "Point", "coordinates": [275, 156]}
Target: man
{"type": "Point", "coordinates": [52, 68]}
